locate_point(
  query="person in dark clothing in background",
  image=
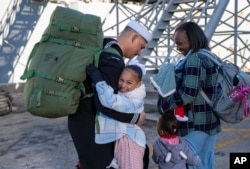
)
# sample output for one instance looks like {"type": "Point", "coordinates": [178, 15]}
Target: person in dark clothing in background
{"type": "Point", "coordinates": [82, 124]}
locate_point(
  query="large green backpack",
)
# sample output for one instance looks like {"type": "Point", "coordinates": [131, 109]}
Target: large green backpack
{"type": "Point", "coordinates": [56, 66]}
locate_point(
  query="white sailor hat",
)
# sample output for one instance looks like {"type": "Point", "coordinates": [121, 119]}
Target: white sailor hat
{"type": "Point", "coordinates": [140, 29]}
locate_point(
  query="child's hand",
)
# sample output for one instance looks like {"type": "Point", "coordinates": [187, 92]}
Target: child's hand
{"type": "Point", "coordinates": [94, 73]}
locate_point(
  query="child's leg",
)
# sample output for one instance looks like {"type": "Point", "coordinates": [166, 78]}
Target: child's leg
{"type": "Point", "coordinates": [129, 155]}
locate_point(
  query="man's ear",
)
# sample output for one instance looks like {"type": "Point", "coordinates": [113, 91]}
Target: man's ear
{"type": "Point", "coordinates": [134, 37]}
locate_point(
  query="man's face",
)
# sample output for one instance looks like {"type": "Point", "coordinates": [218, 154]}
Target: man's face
{"type": "Point", "coordinates": [182, 42]}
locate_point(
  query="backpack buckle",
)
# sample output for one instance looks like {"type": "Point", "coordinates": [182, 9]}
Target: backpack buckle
{"type": "Point", "coordinates": [50, 92]}
{"type": "Point", "coordinates": [80, 86]}
{"type": "Point", "coordinates": [60, 80]}
{"type": "Point", "coordinates": [75, 29]}
{"type": "Point", "coordinates": [77, 44]}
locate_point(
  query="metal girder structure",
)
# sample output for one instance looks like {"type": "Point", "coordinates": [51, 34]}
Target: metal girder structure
{"type": "Point", "coordinates": [232, 36]}
{"type": "Point", "coordinates": [176, 12]}
{"type": "Point", "coordinates": [225, 26]}
{"type": "Point", "coordinates": [225, 22]}
{"type": "Point", "coordinates": [132, 10]}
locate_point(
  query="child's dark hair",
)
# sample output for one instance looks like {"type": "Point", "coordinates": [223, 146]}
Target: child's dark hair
{"type": "Point", "coordinates": [136, 69]}
{"type": "Point", "coordinates": [168, 123]}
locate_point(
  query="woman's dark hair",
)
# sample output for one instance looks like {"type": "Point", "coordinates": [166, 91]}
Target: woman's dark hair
{"type": "Point", "coordinates": [168, 122]}
{"type": "Point", "coordinates": [136, 69]}
{"type": "Point", "coordinates": [195, 34]}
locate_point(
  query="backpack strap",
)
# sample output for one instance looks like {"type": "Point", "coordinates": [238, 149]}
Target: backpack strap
{"type": "Point", "coordinates": [46, 38]}
{"type": "Point", "coordinates": [96, 63]}
{"type": "Point", "coordinates": [218, 62]}
{"type": "Point", "coordinates": [73, 28]}
{"type": "Point", "coordinates": [106, 49]}
{"type": "Point", "coordinates": [204, 95]}
{"type": "Point", "coordinates": [212, 57]}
